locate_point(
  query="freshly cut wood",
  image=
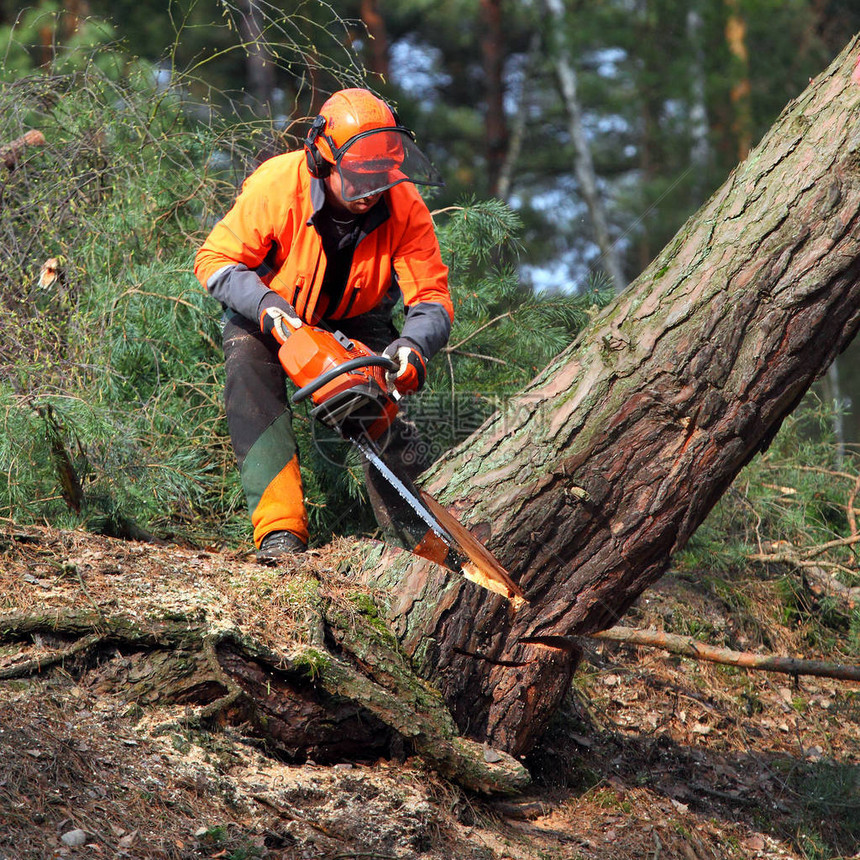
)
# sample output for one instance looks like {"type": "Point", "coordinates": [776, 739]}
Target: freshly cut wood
{"type": "Point", "coordinates": [11, 152]}
{"type": "Point", "coordinates": [483, 568]}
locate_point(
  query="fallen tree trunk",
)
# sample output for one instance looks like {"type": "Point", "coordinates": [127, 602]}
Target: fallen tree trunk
{"type": "Point", "coordinates": [307, 667]}
{"type": "Point", "coordinates": [607, 463]}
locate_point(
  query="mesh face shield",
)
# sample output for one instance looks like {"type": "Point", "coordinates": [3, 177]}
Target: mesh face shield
{"type": "Point", "coordinates": [376, 160]}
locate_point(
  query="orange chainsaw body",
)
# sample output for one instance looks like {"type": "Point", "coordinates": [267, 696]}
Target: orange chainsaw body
{"type": "Point", "coordinates": [356, 402]}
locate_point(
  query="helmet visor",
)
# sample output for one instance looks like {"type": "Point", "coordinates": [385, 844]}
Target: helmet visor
{"type": "Point", "coordinates": [376, 160]}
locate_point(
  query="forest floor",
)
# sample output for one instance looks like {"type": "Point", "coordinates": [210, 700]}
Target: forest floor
{"type": "Point", "coordinates": [653, 757]}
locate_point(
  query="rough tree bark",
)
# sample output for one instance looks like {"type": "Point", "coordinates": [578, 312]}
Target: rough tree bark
{"type": "Point", "coordinates": [608, 461]}
{"type": "Point", "coordinates": [305, 665]}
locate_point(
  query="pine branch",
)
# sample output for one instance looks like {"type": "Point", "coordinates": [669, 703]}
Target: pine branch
{"type": "Point", "coordinates": [455, 346]}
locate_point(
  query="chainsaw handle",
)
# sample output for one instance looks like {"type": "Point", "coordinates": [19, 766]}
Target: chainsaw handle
{"type": "Point", "coordinates": [347, 367]}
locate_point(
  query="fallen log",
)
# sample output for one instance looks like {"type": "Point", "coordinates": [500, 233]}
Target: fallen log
{"type": "Point", "coordinates": [345, 693]}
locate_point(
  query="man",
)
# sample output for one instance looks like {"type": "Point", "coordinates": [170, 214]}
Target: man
{"type": "Point", "coordinates": [336, 232]}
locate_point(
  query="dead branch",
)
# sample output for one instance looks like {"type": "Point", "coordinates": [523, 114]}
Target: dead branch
{"type": "Point", "coordinates": [783, 551]}
{"type": "Point", "coordinates": [11, 152]}
{"type": "Point", "coordinates": [689, 647]}
{"type": "Point", "coordinates": [455, 346]}
{"type": "Point", "coordinates": [821, 582]}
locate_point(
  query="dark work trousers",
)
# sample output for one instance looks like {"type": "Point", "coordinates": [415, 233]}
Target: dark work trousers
{"type": "Point", "coordinates": [260, 423]}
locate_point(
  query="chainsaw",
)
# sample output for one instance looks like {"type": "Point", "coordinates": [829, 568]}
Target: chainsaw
{"type": "Point", "coordinates": [345, 383]}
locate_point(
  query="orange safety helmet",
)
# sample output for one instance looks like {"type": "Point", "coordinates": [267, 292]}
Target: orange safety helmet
{"type": "Point", "coordinates": [360, 136]}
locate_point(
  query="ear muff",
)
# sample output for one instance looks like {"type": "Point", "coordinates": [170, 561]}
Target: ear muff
{"type": "Point", "coordinates": [318, 167]}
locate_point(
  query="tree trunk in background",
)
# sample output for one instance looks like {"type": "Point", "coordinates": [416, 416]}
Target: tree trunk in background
{"type": "Point", "coordinates": [608, 461]}
{"type": "Point", "coordinates": [520, 119]}
{"type": "Point", "coordinates": [736, 38]}
{"type": "Point", "coordinates": [260, 69]}
{"type": "Point", "coordinates": [74, 11]}
{"type": "Point", "coordinates": [700, 145]}
{"type": "Point", "coordinates": [833, 395]}
{"type": "Point", "coordinates": [495, 124]}
{"type": "Point", "coordinates": [583, 163]}
{"type": "Point", "coordinates": [650, 105]}
{"type": "Point", "coordinates": [377, 54]}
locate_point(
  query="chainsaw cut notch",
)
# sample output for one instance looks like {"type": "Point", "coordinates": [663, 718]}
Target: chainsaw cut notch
{"type": "Point", "coordinates": [473, 573]}
{"type": "Point", "coordinates": [482, 568]}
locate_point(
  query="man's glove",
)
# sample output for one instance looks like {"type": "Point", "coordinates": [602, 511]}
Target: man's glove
{"type": "Point", "coordinates": [278, 317]}
{"type": "Point", "coordinates": [411, 370]}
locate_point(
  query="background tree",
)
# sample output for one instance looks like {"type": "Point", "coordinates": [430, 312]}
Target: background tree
{"type": "Point", "coordinates": [377, 60]}
{"type": "Point", "coordinates": [736, 41]}
{"type": "Point", "coordinates": [261, 68]}
{"type": "Point", "coordinates": [582, 160]}
{"type": "Point", "coordinates": [648, 79]}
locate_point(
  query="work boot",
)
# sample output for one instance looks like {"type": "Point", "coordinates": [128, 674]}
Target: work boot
{"type": "Point", "coordinates": [276, 545]}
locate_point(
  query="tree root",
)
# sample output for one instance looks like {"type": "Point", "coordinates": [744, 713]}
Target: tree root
{"type": "Point", "coordinates": [38, 664]}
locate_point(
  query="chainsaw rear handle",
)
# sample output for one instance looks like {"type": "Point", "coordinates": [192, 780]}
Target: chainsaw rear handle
{"type": "Point", "coordinates": [347, 367]}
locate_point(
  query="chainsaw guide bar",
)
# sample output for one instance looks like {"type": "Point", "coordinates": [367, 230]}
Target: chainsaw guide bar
{"type": "Point", "coordinates": [479, 565]}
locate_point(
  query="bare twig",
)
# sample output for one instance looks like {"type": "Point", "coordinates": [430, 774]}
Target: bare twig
{"type": "Point", "coordinates": [493, 321]}
{"type": "Point", "coordinates": [479, 355]}
{"type": "Point", "coordinates": [832, 473]}
{"type": "Point", "coordinates": [823, 547]}
{"type": "Point", "coordinates": [436, 212]}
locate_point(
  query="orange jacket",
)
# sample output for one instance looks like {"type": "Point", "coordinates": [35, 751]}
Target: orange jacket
{"type": "Point", "coordinates": [269, 232]}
